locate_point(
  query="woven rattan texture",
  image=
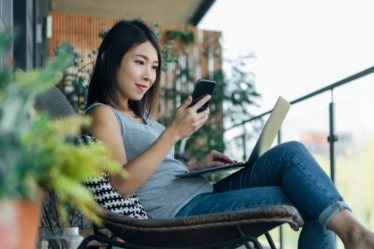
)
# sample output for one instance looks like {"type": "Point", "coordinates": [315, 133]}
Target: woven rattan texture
{"type": "Point", "coordinates": [204, 229]}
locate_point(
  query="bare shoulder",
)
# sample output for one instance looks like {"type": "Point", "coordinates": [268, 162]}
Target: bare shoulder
{"type": "Point", "coordinates": [103, 120]}
{"type": "Point", "coordinates": [101, 113]}
{"type": "Point", "coordinates": [105, 127]}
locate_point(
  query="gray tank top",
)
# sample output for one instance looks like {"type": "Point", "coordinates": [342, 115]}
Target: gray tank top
{"type": "Point", "coordinates": [163, 195]}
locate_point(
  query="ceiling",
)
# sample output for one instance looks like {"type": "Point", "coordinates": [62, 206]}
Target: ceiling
{"type": "Point", "coordinates": [164, 11]}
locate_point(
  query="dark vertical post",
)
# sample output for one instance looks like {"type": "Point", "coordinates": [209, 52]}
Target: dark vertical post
{"type": "Point", "coordinates": [281, 235]}
{"type": "Point", "coordinates": [332, 137]}
{"type": "Point", "coordinates": [279, 138]}
{"type": "Point", "coordinates": [245, 158]}
{"type": "Point", "coordinates": [23, 50]}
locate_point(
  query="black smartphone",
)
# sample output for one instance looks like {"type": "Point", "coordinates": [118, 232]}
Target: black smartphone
{"type": "Point", "coordinates": [202, 88]}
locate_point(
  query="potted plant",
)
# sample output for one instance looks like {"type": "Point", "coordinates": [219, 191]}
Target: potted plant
{"type": "Point", "coordinates": [37, 155]}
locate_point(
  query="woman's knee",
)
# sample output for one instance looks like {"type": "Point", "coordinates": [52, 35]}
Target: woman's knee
{"type": "Point", "coordinates": [293, 150]}
{"type": "Point", "coordinates": [292, 146]}
{"type": "Point", "coordinates": [285, 154]}
{"type": "Point", "coordinates": [299, 154]}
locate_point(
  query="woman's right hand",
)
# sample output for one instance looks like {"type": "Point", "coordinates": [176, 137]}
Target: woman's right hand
{"type": "Point", "coordinates": [186, 120]}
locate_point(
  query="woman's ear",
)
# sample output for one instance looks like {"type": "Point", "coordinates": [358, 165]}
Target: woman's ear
{"type": "Point", "coordinates": [103, 55]}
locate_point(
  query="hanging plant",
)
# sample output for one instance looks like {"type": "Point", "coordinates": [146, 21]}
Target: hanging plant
{"type": "Point", "coordinates": [183, 36]}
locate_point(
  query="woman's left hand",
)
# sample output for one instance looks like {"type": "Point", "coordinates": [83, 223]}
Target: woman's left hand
{"type": "Point", "coordinates": [213, 159]}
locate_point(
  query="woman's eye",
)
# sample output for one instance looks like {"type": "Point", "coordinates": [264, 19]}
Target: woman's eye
{"type": "Point", "coordinates": [155, 67]}
{"type": "Point", "coordinates": [140, 62]}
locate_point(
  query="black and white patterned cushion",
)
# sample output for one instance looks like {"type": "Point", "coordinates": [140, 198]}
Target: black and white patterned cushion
{"type": "Point", "coordinates": [104, 193]}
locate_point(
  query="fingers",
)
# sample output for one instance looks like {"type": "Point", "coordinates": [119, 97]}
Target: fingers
{"type": "Point", "coordinates": [186, 120]}
{"type": "Point", "coordinates": [187, 102]}
{"type": "Point", "coordinates": [221, 157]}
{"type": "Point", "coordinates": [198, 118]}
{"type": "Point", "coordinates": [201, 117]}
{"type": "Point", "coordinates": [216, 163]}
{"type": "Point", "coordinates": [200, 103]}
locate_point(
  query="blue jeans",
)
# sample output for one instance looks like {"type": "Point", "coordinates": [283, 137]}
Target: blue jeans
{"type": "Point", "coordinates": [286, 174]}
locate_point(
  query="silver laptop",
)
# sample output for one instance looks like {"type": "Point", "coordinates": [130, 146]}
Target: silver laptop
{"type": "Point", "coordinates": [264, 142]}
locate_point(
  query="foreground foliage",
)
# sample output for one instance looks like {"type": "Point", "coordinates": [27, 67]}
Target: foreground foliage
{"type": "Point", "coordinates": [36, 152]}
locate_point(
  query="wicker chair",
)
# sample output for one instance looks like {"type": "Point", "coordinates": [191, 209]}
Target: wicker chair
{"type": "Point", "coordinates": [221, 230]}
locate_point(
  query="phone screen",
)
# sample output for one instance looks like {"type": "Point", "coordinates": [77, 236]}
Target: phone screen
{"type": "Point", "coordinates": [203, 88]}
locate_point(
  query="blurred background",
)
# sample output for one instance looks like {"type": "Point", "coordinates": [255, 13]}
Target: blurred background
{"type": "Point", "coordinates": [318, 55]}
{"type": "Point", "coordinates": [299, 48]}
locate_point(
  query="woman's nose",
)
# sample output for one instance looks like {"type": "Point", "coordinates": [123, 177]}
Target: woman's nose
{"type": "Point", "coordinates": [149, 74]}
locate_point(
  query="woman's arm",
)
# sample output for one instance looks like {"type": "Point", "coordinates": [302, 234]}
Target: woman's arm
{"type": "Point", "coordinates": [105, 127]}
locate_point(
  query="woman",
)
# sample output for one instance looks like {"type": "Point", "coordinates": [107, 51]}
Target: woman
{"type": "Point", "coordinates": [122, 95]}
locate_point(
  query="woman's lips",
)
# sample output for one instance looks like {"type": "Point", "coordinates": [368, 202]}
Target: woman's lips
{"type": "Point", "coordinates": [142, 87]}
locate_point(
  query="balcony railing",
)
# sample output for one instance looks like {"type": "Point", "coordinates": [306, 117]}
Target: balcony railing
{"type": "Point", "coordinates": [340, 136]}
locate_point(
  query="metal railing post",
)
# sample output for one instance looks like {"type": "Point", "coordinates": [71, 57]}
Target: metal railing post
{"type": "Point", "coordinates": [245, 158]}
{"type": "Point", "coordinates": [332, 138]}
{"type": "Point", "coordinates": [281, 234]}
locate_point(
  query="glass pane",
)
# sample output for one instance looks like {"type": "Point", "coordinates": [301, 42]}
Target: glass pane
{"type": "Point", "coordinates": [355, 156]}
{"type": "Point", "coordinates": [354, 150]}
{"type": "Point", "coordinates": [312, 130]}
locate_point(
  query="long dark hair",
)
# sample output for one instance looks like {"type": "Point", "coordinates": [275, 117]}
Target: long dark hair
{"type": "Point", "coordinates": [122, 37]}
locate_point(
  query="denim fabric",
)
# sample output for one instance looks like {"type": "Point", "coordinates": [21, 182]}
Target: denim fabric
{"type": "Point", "coordinates": [286, 174]}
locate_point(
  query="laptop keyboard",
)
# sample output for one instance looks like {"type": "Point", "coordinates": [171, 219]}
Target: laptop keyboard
{"type": "Point", "coordinates": [238, 163]}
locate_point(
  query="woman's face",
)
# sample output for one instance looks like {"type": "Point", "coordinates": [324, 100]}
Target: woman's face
{"type": "Point", "coordinates": [137, 72]}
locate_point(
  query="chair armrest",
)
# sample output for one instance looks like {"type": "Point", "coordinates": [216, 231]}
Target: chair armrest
{"type": "Point", "coordinates": [201, 229]}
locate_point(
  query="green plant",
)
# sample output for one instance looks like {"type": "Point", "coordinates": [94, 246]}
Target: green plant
{"type": "Point", "coordinates": [184, 36]}
{"type": "Point", "coordinates": [74, 83]}
{"type": "Point", "coordinates": [233, 96]}
{"type": "Point", "coordinates": [36, 151]}
{"type": "Point", "coordinates": [238, 91]}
